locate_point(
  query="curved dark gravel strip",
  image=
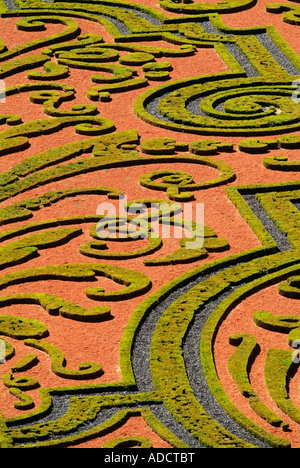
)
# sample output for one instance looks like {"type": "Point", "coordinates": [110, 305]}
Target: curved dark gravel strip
{"type": "Point", "coordinates": [10, 5]}
{"type": "Point", "coordinates": [281, 240]}
{"type": "Point", "coordinates": [193, 105]}
{"type": "Point", "coordinates": [242, 60]}
{"type": "Point", "coordinates": [141, 364]}
{"type": "Point", "coordinates": [197, 379]}
{"type": "Point", "coordinates": [274, 50]}
{"type": "Point", "coordinates": [141, 353]}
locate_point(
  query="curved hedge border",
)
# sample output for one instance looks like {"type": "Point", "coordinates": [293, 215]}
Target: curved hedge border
{"type": "Point", "coordinates": [212, 325]}
{"type": "Point", "coordinates": [172, 112]}
{"type": "Point", "coordinates": [188, 7]}
{"type": "Point", "coordinates": [25, 402]}
{"type": "Point", "coordinates": [36, 170]}
{"type": "Point", "coordinates": [21, 328]}
{"type": "Point", "coordinates": [130, 341]}
{"type": "Point", "coordinates": [135, 284]}
{"type": "Point", "coordinates": [239, 366]}
{"type": "Point", "coordinates": [25, 363]}
{"type": "Point", "coordinates": [278, 366]}
{"type": "Point", "coordinates": [87, 370]}
{"type": "Point", "coordinates": [148, 304]}
{"type": "Point", "coordinates": [163, 431]}
{"type": "Point", "coordinates": [128, 442]}
{"type": "Point", "coordinates": [245, 111]}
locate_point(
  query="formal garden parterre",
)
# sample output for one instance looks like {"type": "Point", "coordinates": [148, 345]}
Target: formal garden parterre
{"type": "Point", "coordinates": [138, 340]}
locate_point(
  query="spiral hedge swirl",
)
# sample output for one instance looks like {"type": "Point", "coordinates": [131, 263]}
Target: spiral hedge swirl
{"type": "Point", "coordinates": [225, 107]}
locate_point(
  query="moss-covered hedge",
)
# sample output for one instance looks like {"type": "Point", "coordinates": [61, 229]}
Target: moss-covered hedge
{"type": "Point", "coordinates": [279, 365]}
{"type": "Point", "coordinates": [135, 284]}
{"type": "Point", "coordinates": [239, 366]}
